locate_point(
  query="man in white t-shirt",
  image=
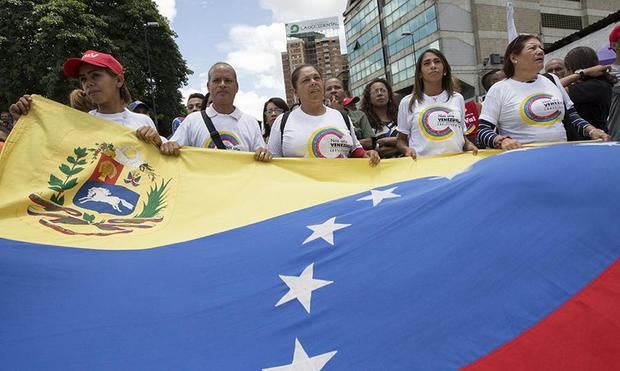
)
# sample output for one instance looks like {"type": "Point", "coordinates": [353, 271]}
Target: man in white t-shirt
{"type": "Point", "coordinates": [237, 130]}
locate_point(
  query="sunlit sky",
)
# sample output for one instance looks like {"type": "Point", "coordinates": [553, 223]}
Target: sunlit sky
{"type": "Point", "coordinates": [249, 35]}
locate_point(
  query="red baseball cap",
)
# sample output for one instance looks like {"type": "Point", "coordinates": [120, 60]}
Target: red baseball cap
{"type": "Point", "coordinates": [614, 35]}
{"type": "Point", "coordinates": [95, 58]}
{"type": "Point", "coordinates": [347, 101]}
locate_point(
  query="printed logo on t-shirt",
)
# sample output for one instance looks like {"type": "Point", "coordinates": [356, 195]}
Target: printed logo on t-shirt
{"type": "Point", "coordinates": [436, 122]}
{"type": "Point", "coordinates": [328, 142]}
{"type": "Point", "coordinates": [230, 140]}
{"type": "Point", "coordinates": [541, 109]}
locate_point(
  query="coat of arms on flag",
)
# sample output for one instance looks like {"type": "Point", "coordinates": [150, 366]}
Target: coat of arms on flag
{"type": "Point", "coordinates": [122, 193]}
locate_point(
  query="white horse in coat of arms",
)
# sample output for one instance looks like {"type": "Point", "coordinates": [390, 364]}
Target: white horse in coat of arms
{"type": "Point", "coordinates": [100, 194]}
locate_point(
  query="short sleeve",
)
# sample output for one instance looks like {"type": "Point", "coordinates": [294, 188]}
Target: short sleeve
{"type": "Point", "coordinates": [404, 126]}
{"type": "Point", "coordinates": [275, 137]}
{"type": "Point", "coordinates": [492, 105]}
{"type": "Point", "coordinates": [181, 135]}
{"type": "Point", "coordinates": [257, 137]}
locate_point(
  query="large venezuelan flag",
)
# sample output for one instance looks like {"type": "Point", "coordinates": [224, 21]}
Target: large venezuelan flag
{"type": "Point", "coordinates": [113, 257]}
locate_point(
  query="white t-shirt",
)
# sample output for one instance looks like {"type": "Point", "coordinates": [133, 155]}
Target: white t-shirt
{"type": "Point", "coordinates": [323, 136]}
{"type": "Point", "coordinates": [436, 125]}
{"type": "Point", "coordinates": [128, 119]}
{"type": "Point", "coordinates": [239, 132]}
{"type": "Point", "coordinates": [527, 111]}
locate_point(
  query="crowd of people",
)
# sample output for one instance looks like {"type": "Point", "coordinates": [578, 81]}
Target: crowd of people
{"type": "Point", "coordinates": [526, 102]}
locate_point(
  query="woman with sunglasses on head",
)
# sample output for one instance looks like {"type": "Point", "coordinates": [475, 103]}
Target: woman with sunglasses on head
{"type": "Point", "coordinates": [528, 107]}
{"type": "Point", "coordinates": [102, 79]}
{"type": "Point", "coordinates": [431, 120]}
{"type": "Point", "coordinates": [379, 105]}
{"type": "Point", "coordinates": [273, 108]}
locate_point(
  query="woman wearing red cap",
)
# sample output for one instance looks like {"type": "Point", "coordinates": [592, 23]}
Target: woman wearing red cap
{"type": "Point", "coordinates": [102, 79]}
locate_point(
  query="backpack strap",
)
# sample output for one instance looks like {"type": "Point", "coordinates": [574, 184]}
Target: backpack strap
{"type": "Point", "coordinates": [215, 135]}
{"type": "Point", "coordinates": [344, 114]}
{"type": "Point", "coordinates": [548, 75]}
{"type": "Point", "coordinates": [282, 125]}
{"type": "Point", "coordinates": [346, 118]}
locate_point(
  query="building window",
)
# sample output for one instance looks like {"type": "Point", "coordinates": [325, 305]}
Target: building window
{"type": "Point", "coordinates": [569, 22]}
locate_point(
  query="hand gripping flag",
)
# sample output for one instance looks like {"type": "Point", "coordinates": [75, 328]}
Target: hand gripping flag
{"type": "Point", "coordinates": [114, 257]}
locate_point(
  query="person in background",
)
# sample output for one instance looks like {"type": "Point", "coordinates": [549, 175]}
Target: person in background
{"type": "Point", "coordinates": [378, 103]}
{"type": "Point", "coordinates": [589, 87]}
{"type": "Point", "coordinates": [315, 130]}
{"type": "Point", "coordinates": [102, 78]}
{"type": "Point", "coordinates": [528, 107]}
{"type": "Point", "coordinates": [232, 129]}
{"type": "Point", "coordinates": [139, 107]}
{"type": "Point", "coordinates": [491, 77]}
{"type": "Point", "coordinates": [335, 94]}
{"type": "Point", "coordinates": [80, 101]}
{"type": "Point", "coordinates": [273, 108]}
{"type": "Point", "coordinates": [5, 121]}
{"type": "Point", "coordinates": [556, 66]}
{"type": "Point", "coordinates": [3, 135]}
{"type": "Point", "coordinates": [613, 121]}
{"type": "Point", "coordinates": [431, 120]}
{"type": "Point", "coordinates": [194, 104]}
{"type": "Point", "coordinates": [350, 104]}
{"type": "Point", "coordinates": [614, 44]}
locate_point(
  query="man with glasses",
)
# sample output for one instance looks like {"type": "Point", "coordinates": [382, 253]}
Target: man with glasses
{"type": "Point", "coordinates": [221, 125]}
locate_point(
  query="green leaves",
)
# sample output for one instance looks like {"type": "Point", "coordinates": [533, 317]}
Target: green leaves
{"type": "Point", "coordinates": [59, 200]}
{"type": "Point", "coordinates": [69, 170]}
{"type": "Point", "coordinates": [55, 183]}
{"type": "Point", "coordinates": [88, 217]}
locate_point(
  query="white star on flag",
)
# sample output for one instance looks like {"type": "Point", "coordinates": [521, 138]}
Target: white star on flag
{"type": "Point", "coordinates": [377, 196]}
{"type": "Point", "coordinates": [325, 231]}
{"type": "Point", "coordinates": [301, 361]}
{"type": "Point", "coordinates": [301, 287]}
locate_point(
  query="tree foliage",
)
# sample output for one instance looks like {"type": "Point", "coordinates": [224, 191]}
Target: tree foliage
{"type": "Point", "coordinates": [37, 36]}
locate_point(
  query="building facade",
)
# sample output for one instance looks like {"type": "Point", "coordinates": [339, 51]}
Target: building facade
{"type": "Point", "coordinates": [314, 48]}
{"type": "Point", "coordinates": [385, 37]}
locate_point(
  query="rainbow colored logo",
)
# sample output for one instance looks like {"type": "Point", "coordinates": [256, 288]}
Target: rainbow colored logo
{"type": "Point", "coordinates": [429, 116]}
{"type": "Point", "coordinates": [328, 142]}
{"type": "Point", "coordinates": [540, 110]}
{"type": "Point", "coordinates": [230, 140]}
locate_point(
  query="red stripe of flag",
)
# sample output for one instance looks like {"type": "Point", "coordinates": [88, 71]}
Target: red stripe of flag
{"type": "Point", "coordinates": [582, 334]}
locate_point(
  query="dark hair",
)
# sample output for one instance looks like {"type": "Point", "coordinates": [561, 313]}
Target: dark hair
{"type": "Point", "coordinates": [418, 86]}
{"type": "Point", "coordinates": [515, 47]}
{"type": "Point", "coordinates": [196, 95]}
{"type": "Point", "coordinates": [278, 102]}
{"type": "Point", "coordinates": [583, 57]}
{"type": "Point", "coordinates": [297, 72]}
{"type": "Point", "coordinates": [368, 109]}
{"type": "Point", "coordinates": [580, 57]}
{"type": "Point", "coordinates": [486, 79]}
